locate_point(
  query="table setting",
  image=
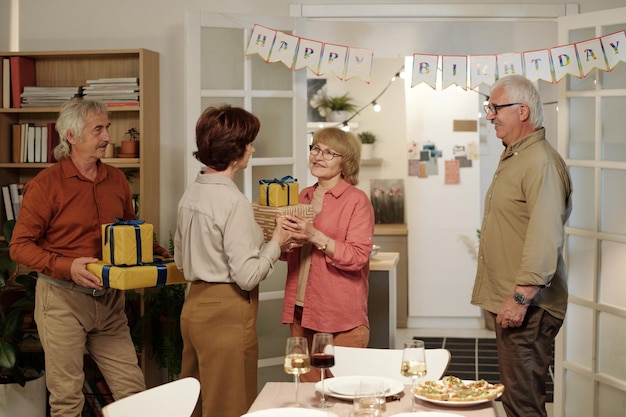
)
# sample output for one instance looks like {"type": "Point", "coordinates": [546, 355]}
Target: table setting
{"type": "Point", "coordinates": [364, 395]}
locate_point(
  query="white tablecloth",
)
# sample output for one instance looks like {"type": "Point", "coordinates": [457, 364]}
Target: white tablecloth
{"type": "Point", "coordinates": [282, 394]}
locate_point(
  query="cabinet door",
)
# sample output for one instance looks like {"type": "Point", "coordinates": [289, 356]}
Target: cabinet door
{"type": "Point", "coordinates": [218, 71]}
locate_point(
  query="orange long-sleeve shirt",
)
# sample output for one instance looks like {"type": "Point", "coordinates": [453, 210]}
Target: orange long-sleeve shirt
{"type": "Point", "coordinates": [61, 216]}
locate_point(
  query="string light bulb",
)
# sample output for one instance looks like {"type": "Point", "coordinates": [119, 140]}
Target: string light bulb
{"type": "Point", "coordinates": [376, 107]}
{"type": "Point", "coordinates": [345, 127]}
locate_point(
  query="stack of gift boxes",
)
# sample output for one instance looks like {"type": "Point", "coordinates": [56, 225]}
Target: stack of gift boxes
{"type": "Point", "coordinates": [278, 197]}
{"type": "Point", "coordinates": [128, 261]}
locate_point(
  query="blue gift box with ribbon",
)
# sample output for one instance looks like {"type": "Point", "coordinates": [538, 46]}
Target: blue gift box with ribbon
{"type": "Point", "coordinates": [154, 274]}
{"type": "Point", "coordinates": [127, 242]}
{"type": "Point", "coordinates": [278, 192]}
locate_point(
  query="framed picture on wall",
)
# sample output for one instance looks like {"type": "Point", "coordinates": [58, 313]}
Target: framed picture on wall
{"type": "Point", "coordinates": [387, 198]}
{"type": "Point", "coordinates": [313, 86]}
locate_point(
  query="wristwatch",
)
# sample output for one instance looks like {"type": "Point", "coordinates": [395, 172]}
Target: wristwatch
{"type": "Point", "coordinates": [520, 298]}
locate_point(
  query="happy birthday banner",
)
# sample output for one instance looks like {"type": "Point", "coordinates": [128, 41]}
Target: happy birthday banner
{"type": "Point", "coordinates": [321, 58]}
{"type": "Point", "coordinates": [577, 59]}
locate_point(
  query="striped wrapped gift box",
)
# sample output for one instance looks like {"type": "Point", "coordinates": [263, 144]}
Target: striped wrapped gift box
{"type": "Point", "coordinates": [265, 216]}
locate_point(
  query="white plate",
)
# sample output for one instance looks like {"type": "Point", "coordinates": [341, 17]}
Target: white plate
{"type": "Point", "coordinates": [344, 387]}
{"type": "Point", "coordinates": [290, 412]}
{"type": "Point", "coordinates": [426, 414]}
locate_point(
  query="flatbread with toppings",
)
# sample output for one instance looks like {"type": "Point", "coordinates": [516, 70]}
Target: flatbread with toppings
{"type": "Point", "coordinates": [451, 388]}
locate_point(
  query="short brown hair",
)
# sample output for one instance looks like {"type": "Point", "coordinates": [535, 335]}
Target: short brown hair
{"type": "Point", "coordinates": [222, 134]}
{"type": "Point", "coordinates": [347, 145]}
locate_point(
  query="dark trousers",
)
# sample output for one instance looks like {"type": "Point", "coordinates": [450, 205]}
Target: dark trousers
{"type": "Point", "coordinates": [524, 356]}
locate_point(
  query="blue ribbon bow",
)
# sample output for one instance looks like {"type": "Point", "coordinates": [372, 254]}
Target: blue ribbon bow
{"type": "Point", "coordinates": [284, 180]}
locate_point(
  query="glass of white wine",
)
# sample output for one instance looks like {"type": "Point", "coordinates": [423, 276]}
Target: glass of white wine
{"type": "Point", "coordinates": [413, 360]}
{"type": "Point", "coordinates": [297, 360]}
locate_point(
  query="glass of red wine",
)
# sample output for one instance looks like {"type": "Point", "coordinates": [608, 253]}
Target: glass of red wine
{"type": "Point", "coordinates": [323, 357]}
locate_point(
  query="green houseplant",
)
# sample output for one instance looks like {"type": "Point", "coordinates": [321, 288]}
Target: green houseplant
{"type": "Point", "coordinates": [17, 301]}
{"type": "Point", "coordinates": [326, 104]}
{"type": "Point", "coordinates": [367, 137]}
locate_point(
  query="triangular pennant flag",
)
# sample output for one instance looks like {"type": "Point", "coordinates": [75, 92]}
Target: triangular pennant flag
{"type": "Point", "coordinates": [509, 64]}
{"type": "Point", "coordinates": [261, 41]}
{"type": "Point", "coordinates": [614, 48]}
{"type": "Point", "coordinates": [537, 65]}
{"type": "Point", "coordinates": [454, 71]}
{"type": "Point", "coordinates": [424, 70]}
{"type": "Point", "coordinates": [334, 59]}
{"type": "Point", "coordinates": [590, 56]}
{"type": "Point", "coordinates": [284, 49]}
{"type": "Point", "coordinates": [564, 61]}
{"type": "Point", "coordinates": [359, 63]}
{"type": "Point", "coordinates": [309, 55]}
{"type": "Point", "coordinates": [482, 70]}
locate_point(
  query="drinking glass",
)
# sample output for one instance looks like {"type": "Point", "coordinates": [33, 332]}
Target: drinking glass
{"type": "Point", "coordinates": [413, 360]}
{"type": "Point", "coordinates": [369, 398]}
{"type": "Point", "coordinates": [297, 361]}
{"type": "Point", "coordinates": [323, 357]}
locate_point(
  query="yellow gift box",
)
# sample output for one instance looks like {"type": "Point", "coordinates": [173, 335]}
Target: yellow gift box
{"type": "Point", "coordinates": [278, 192]}
{"type": "Point", "coordinates": [156, 274]}
{"type": "Point", "coordinates": [127, 242]}
{"type": "Point", "coordinates": [266, 216]}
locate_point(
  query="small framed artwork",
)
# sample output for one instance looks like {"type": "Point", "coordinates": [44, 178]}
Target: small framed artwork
{"type": "Point", "coordinates": [387, 198]}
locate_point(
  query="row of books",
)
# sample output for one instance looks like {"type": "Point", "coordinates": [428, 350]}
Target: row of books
{"type": "Point", "coordinates": [19, 88]}
{"type": "Point", "coordinates": [113, 91]}
{"type": "Point", "coordinates": [12, 198]}
{"type": "Point", "coordinates": [97, 395]}
{"type": "Point", "coordinates": [32, 143]}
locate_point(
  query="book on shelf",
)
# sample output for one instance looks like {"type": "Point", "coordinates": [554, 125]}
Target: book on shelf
{"type": "Point", "coordinates": [114, 80]}
{"type": "Point", "coordinates": [121, 103]}
{"type": "Point", "coordinates": [30, 143]}
{"type": "Point", "coordinates": [6, 83]}
{"type": "Point", "coordinates": [37, 137]}
{"type": "Point", "coordinates": [23, 141]}
{"type": "Point", "coordinates": [22, 74]}
{"type": "Point", "coordinates": [16, 142]}
{"type": "Point", "coordinates": [53, 140]}
{"type": "Point", "coordinates": [16, 191]}
{"type": "Point", "coordinates": [48, 96]}
{"type": "Point", "coordinates": [8, 204]}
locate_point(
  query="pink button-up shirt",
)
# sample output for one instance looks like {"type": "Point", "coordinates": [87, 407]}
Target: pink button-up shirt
{"type": "Point", "coordinates": [337, 288]}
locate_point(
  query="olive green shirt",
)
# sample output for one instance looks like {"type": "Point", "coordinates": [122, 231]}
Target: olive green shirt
{"type": "Point", "coordinates": [522, 234]}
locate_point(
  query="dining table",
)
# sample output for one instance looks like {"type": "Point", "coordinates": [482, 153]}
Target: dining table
{"type": "Point", "coordinates": [282, 395]}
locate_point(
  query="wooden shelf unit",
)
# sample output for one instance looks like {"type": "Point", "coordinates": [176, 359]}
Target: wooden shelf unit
{"type": "Point", "coordinates": [74, 68]}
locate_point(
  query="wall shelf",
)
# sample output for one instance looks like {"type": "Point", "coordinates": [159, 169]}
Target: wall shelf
{"type": "Point", "coordinates": [373, 162]}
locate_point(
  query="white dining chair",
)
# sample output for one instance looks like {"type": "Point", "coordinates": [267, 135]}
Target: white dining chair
{"type": "Point", "coordinates": [350, 361]}
{"type": "Point", "coordinates": [173, 399]}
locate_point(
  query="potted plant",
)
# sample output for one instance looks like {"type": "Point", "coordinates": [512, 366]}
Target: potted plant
{"type": "Point", "coordinates": [130, 148]}
{"type": "Point", "coordinates": [333, 108]}
{"type": "Point", "coordinates": [22, 382]}
{"type": "Point", "coordinates": [367, 144]}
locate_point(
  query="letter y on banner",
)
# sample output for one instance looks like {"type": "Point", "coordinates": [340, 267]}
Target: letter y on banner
{"type": "Point", "coordinates": [359, 64]}
{"type": "Point", "coordinates": [614, 48]}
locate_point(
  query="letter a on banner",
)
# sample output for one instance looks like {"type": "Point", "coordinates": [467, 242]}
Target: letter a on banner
{"type": "Point", "coordinates": [359, 63]}
{"type": "Point", "coordinates": [334, 60]}
{"type": "Point", "coordinates": [309, 55]}
{"type": "Point", "coordinates": [482, 70]}
{"type": "Point", "coordinates": [284, 50]}
{"type": "Point", "coordinates": [564, 61]}
{"type": "Point", "coordinates": [454, 71]}
{"type": "Point", "coordinates": [261, 41]}
{"type": "Point", "coordinates": [614, 48]}
{"type": "Point", "coordinates": [590, 56]}
{"type": "Point", "coordinates": [424, 70]}
{"type": "Point", "coordinates": [537, 65]}
{"type": "Point", "coordinates": [509, 64]}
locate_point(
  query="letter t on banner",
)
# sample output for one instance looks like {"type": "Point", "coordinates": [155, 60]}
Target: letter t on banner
{"type": "Point", "coordinates": [424, 70]}
{"type": "Point", "coordinates": [261, 41]}
{"type": "Point", "coordinates": [537, 65]}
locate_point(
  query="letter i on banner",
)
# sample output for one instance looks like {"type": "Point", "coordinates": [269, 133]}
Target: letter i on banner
{"type": "Point", "coordinates": [564, 61]}
{"type": "Point", "coordinates": [590, 56]}
{"type": "Point", "coordinates": [359, 63]}
{"type": "Point", "coordinates": [509, 64]}
{"type": "Point", "coordinates": [261, 41]}
{"type": "Point", "coordinates": [614, 48]}
{"type": "Point", "coordinates": [284, 49]}
{"type": "Point", "coordinates": [334, 59]}
{"type": "Point", "coordinates": [482, 70]}
{"type": "Point", "coordinates": [424, 70]}
{"type": "Point", "coordinates": [309, 55]}
{"type": "Point", "coordinates": [453, 71]}
{"type": "Point", "coordinates": [537, 65]}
